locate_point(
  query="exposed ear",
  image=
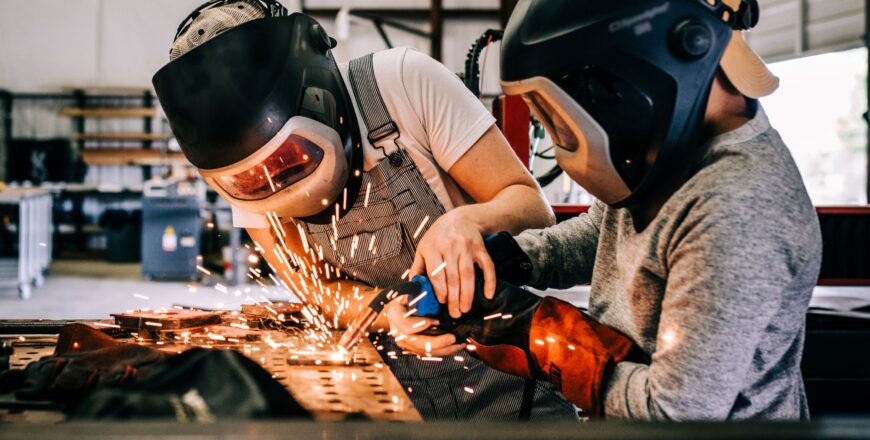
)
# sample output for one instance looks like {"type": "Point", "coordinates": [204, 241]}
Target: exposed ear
{"type": "Point", "coordinates": [725, 103]}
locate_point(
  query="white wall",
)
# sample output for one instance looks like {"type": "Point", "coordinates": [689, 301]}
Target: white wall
{"type": "Point", "coordinates": [47, 44]}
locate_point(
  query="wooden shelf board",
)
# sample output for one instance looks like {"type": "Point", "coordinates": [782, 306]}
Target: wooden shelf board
{"type": "Point", "coordinates": [109, 112]}
{"type": "Point", "coordinates": [130, 156]}
{"type": "Point", "coordinates": [120, 136]}
{"type": "Point", "coordinates": [106, 89]}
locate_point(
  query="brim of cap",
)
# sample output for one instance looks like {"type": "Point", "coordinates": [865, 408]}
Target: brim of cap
{"type": "Point", "coordinates": [746, 70]}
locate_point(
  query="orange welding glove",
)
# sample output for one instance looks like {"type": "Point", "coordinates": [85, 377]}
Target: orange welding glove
{"type": "Point", "coordinates": [542, 338]}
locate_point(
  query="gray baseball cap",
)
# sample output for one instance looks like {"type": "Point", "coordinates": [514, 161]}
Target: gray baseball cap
{"type": "Point", "coordinates": [212, 22]}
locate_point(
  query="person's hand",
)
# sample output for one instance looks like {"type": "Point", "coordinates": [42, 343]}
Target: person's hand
{"type": "Point", "coordinates": [447, 254]}
{"type": "Point", "coordinates": [406, 328]}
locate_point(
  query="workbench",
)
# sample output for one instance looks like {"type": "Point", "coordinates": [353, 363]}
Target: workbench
{"type": "Point", "coordinates": [365, 388]}
{"type": "Point", "coordinates": [851, 429]}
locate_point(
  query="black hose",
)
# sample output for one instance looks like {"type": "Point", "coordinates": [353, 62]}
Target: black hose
{"type": "Point", "coordinates": [471, 77]}
{"type": "Point", "coordinates": [549, 176]}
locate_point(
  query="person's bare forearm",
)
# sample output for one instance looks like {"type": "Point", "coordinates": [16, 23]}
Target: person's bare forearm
{"type": "Point", "coordinates": [514, 209]}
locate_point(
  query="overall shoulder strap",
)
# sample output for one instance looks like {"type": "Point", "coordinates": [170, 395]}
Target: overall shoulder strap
{"type": "Point", "coordinates": [380, 126]}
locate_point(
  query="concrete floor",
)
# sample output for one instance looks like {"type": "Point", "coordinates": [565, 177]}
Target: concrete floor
{"type": "Point", "coordinates": [93, 289]}
{"type": "Point", "coordinates": [77, 289]}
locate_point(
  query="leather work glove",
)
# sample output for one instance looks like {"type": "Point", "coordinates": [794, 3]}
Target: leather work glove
{"type": "Point", "coordinates": [83, 359]}
{"type": "Point", "coordinates": [520, 333]}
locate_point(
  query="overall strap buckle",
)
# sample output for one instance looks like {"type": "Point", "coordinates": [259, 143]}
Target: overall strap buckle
{"type": "Point", "coordinates": [380, 125]}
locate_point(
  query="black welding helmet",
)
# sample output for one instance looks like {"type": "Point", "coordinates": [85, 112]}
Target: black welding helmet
{"type": "Point", "coordinates": [621, 85]}
{"type": "Point", "coordinates": [262, 111]}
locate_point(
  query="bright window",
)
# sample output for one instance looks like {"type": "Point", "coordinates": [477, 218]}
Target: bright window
{"type": "Point", "coordinates": [819, 110]}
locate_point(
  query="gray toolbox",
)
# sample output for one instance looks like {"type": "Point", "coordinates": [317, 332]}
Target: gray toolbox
{"type": "Point", "coordinates": [171, 232]}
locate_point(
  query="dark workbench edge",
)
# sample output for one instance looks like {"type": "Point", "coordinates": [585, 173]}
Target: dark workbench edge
{"type": "Point", "coordinates": [856, 428]}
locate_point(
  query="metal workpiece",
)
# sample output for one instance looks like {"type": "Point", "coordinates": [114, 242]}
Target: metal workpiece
{"type": "Point", "coordinates": [333, 385]}
{"type": "Point", "coordinates": [364, 386]}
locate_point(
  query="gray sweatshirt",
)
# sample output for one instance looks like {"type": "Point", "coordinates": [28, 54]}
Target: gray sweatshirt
{"type": "Point", "coordinates": [715, 290]}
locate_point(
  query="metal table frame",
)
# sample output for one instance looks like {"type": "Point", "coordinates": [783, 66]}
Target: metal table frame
{"type": "Point", "coordinates": [34, 229]}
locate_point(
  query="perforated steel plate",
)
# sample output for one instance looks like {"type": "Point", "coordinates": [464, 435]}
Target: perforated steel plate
{"type": "Point", "coordinates": [365, 387]}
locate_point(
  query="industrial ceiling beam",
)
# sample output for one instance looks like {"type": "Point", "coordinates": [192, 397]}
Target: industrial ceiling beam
{"type": "Point", "coordinates": [436, 28]}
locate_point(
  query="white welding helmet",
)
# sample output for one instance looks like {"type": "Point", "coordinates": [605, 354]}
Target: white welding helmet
{"type": "Point", "coordinates": [262, 111]}
{"type": "Point", "coordinates": [304, 155]}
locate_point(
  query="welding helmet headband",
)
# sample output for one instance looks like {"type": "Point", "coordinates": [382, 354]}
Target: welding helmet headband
{"type": "Point", "coordinates": [262, 111]}
{"type": "Point", "coordinates": [622, 86]}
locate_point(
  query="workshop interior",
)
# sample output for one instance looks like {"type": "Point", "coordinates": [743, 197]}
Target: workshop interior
{"type": "Point", "coordinates": [434, 219]}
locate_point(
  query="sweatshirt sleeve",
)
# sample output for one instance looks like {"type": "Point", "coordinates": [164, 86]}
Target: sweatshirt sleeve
{"type": "Point", "coordinates": [563, 255]}
{"type": "Point", "coordinates": [729, 271]}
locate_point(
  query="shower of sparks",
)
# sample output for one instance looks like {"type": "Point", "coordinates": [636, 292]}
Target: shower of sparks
{"type": "Point", "coordinates": [305, 272]}
{"type": "Point", "coordinates": [417, 299]}
{"type": "Point", "coordinates": [136, 295]}
{"type": "Point", "coordinates": [468, 390]}
{"type": "Point", "coordinates": [420, 228]}
{"type": "Point", "coordinates": [368, 191]}
{"type": "Point", "coordinates": [269, 178]}
{"type": "Point", "coordinates": [439, 268]}
{"type": "Point", "coordinates": [354, 245]}
{"type": "Point", "coordinates": [493, 316]}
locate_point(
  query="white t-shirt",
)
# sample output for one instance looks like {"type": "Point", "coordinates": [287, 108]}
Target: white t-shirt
{"type": "Point", "coordinates": [438, 118]}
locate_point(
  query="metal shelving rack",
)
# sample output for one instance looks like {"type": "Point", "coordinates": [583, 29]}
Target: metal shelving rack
{"type": "Point", "coordinates": [34, 242]}
{"type": "Point", "coordinates": [116, 147]}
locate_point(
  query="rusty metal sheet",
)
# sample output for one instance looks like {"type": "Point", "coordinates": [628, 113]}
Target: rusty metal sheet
{"type": "Point", "coordinates": [366, 386]}
{"type": "Point", "coordinates": [361, 386]}
{"type": "Point", "coordinates": [166, 319]}
{"type": "Point", "coordinates": [30, 349]}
